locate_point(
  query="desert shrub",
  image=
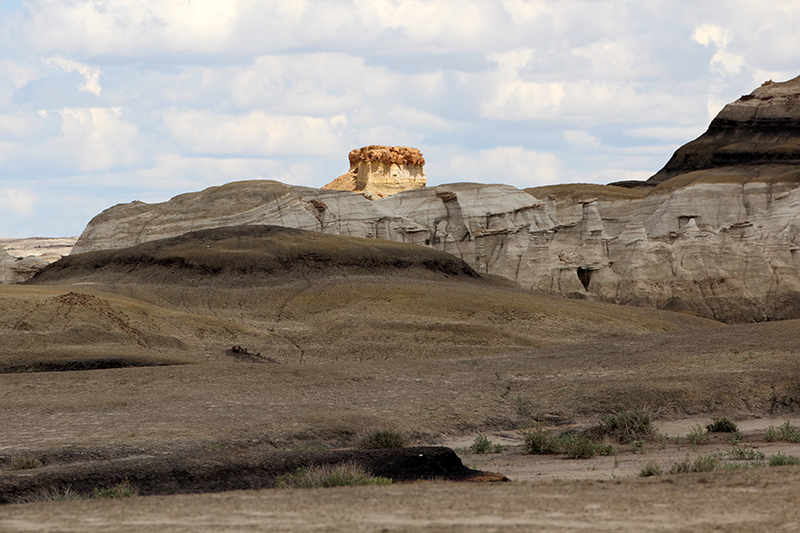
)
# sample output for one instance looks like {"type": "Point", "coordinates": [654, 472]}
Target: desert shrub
{"type": "Point", "coordinates": [650, 469]}
{"type": "Point", "coordinates": [697, 436]}
{"type": "Point", "coordinates": [604, 448]}
{"type": "Point", "coordinates": [340, 475]}
{"type": "Point", "coordinates": [684, 467]}
{"type": "Point", "coordinates": [627, 426]}
{"type": "Point", "coordinates": [785, 432]}
{"type": "Point", "coordinates": [578, 447]}
{"type": "Point", "coordinates": [25, 463]}
{"type": "Point", "coordinates": [120, 490]}
{"type": "Point", "coordinates": [737, 453]}
{"type": "Point", "coordinates": [722, 425]}
{"type": "Point", "coordinates": [637, 446]}
{"type": "Point", "coordinates": [483, 445]}
{"type": "Point", "coordinates": [383, 439]}
{"type": "Point", "coordinates": [783, 460]}
{"type": "Point", "coordinates": [739, 466]}
{"type": "Point", "coordinates": [705, 463]}
{"type": "Point", "coordinates": [735, 437]}
{"type": "Point", "coordinates": [540, 441]}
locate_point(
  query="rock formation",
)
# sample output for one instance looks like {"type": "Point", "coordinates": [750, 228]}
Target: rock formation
{"type": "Point", "coordinates": [716, 234]}
{"type": "Point", "coordinates": [381, 171]}
{"type": "Point", "coordinates": [16, 269]}
{"type": "Point", "coordinates": [761, 129]}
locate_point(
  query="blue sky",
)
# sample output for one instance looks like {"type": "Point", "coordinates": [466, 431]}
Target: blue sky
{"type": "Point", "coordinates": [109, 101]}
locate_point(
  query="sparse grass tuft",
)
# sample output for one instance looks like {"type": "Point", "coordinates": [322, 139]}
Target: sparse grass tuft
{"type": "Point", "coordinates": [52, 494]}
{"type": "Point", "coordinates": [697, 436]}
{"type": "Point", "coordinates": [383, 439]}
{"type": "Point", "coordinates": [542, 441]}
{"type": "Point", "coordinates": [650, 469]}
{"type": "Point", "coordinates": [785, 432]}
{"type": "Point", "coordinates": [704, 463]}
{"type": "Point", "coordinates": [578, 447]}
{"type": "Point", "coordinates": [483, 445]}
{"type": "Point", "coordinates": [120, 490]}
{"type": "Point", "coordinates": [722, 425]}
{"type": "Point", "coordinates": [783, 460]}
{"type": "Point", "coordinates": [341, 475]}
{"type": "Point", "coordinates": [25, 463]}
{"type": "Point", "coordinates": [737, 453]}
{"type": "Point", "coordinates": [627, 426]}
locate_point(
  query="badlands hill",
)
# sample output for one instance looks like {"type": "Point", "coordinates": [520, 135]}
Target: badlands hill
{"type": "Point", "coordinates": [298, 296]}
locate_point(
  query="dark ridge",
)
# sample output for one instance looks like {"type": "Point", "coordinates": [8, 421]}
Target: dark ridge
{"type": "Point", "coordinates": [225, 470]}
{"type": "Point", "coordinates": [248, 253]}
{"type": "Point", "coordinates": [633, 184]}
{"type": "Point", "coordinates": [72, 365]}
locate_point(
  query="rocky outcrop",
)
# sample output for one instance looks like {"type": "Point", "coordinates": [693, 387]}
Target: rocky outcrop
{"type": "Point", "coordinates": [761, 128]}
{"type": "Point", "coordinates": [381, 171]}
{"type": "Point", "coordinates": [717, 249]}
{"type": "Point", "coordinates": [48, 248]}
{"type": "Point", "coordinates": [16, 269]}
{"type": "Point", "coordinates": [715, 239]}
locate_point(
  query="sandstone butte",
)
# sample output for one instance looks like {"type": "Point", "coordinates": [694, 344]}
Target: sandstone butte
{"type": "Point", "coordinates": [715, 233]}
{"type": "Point", "coordinates": [381, 171]}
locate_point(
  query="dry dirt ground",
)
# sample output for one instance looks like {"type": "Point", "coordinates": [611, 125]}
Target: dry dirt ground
{"type": "Point", "coordinates": [124, 360]}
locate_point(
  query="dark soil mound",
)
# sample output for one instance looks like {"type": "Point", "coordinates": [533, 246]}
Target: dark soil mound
{"type": "Point", "coordinates": [248, 254]}
{"type": "Point", "coordinates": [224, 470]}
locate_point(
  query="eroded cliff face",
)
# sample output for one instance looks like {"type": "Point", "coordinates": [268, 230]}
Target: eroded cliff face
{"type": "Point", "coordinates": [381, 171]}
{"type": "Point", "coordinates": [716, 234]}
{"type": "Point", "coordinates": [761, 128]}
{"type": "Point", "coordinates": [17, 269]}
{"type": "Point", "coordinates": [720, 249]}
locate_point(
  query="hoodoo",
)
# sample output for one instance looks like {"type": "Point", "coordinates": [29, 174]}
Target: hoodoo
{"type": "Point", "coordinates": [381, 171]}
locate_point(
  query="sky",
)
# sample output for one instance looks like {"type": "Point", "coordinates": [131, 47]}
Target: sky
{"type": "Point", "coordinates": [109, 101]}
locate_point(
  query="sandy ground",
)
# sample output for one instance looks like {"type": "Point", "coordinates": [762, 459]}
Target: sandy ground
{"type": "Point", "coordinates": [758, 500]}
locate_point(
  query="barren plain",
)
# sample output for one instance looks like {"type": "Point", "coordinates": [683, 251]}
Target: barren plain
{"type": "Point", "coordinates": [121, 365]}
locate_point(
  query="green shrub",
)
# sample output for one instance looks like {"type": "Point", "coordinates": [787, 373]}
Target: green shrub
{"type": "Point", "coordinates": [340, 475]}
{"type": "Point", "coordinates": [483, 445]}
{"type": "Point", "coordinates": [738, 466]}
{"type": "Point", "coordinates": [697, 436]}
{"type": "Point", "coordinates": [785, 432]}
{"type": "Point", "coordinates": [737, 453]}
{"type": "Point", "coordinates": [25, 463]}
{"type": "Point", "coordinates": [704, 463]}
{"type": "Point", "coordinates": [637, 446]}
{"type": "Point", "coordinates": [540, 441]}
{"type": "Point", "coordinates": [383, 439]}
{"type": "Point", "coordinates": [120, 490]}
{"type": "Point", "coordinates": [627, 426]}
{"type": "Point", "coordinates": [722, 425]}
{"type": "Point", "coordinates": [578, 447]}
{"type": "Point", "coordinates": [783, 460]}
{"type": "Point", "coordinates": [650, 469]}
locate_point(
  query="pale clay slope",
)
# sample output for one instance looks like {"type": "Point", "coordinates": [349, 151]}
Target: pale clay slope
{"type": "Point", "coordinates": [722, 250]}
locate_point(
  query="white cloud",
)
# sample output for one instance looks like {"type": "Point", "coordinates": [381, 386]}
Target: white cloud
{"type": "Point", "coordinates": [513, 165]}
{"type": "Point", "coordinates": [256, 133]}
{"type": "Point", "coordinates": [91, 76]}
{"type": "Point", "coordinates": [96, 138]}
{"type": "Point", "coordinates": [581, 140]}
{"type": "Point", "coordinates": [19, 201]}
{"type": "Point", "coordinates": [727, 62]}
